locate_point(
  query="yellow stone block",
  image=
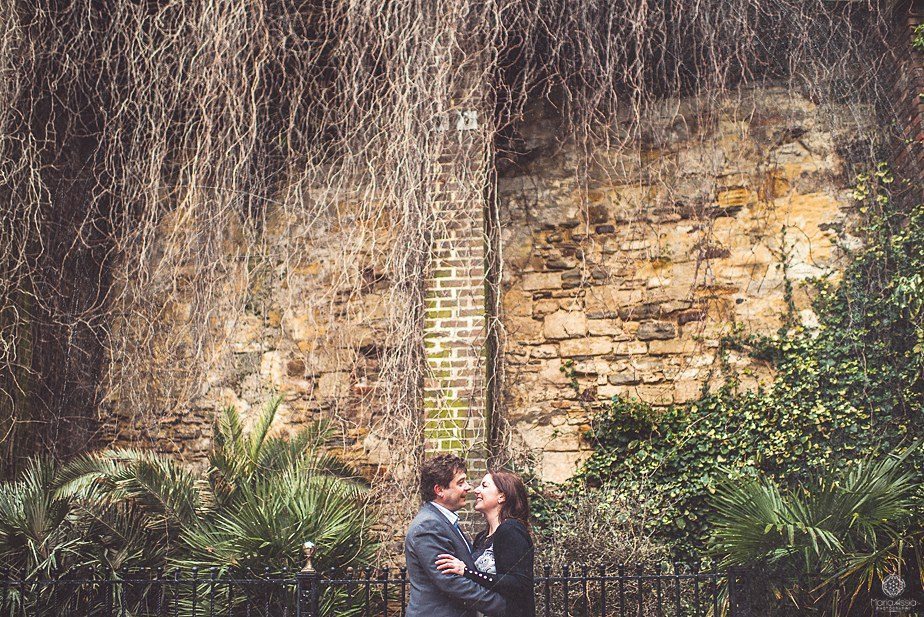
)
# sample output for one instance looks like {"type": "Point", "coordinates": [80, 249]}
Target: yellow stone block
{"type": "Point", "coordinates": [736, 197]}
{"type": "Point", "coordinates": [775, 185]}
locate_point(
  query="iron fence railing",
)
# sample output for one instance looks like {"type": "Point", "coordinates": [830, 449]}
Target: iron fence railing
{"type": "Point", "coordinates": [570, 591]}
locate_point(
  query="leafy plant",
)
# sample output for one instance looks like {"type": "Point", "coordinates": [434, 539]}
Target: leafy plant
{"type": "Point", "coordinates": [36, 535]}
{"type": "Point", "coordinates": [260, 499]}
{"type": "Point", "coordinates": [600, 527]}
{"type": "Point", "coordinates": [917, 37]}
{"type": "Point", "coordinates": [46, 531]}
{"type": "Point", "coordinates": [847, 390]}
{"type": "Point", "coordinates": [849, 526]}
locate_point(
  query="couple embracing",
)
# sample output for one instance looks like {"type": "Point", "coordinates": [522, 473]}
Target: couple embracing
{"type": "Point", "coordinates": [452, 575]}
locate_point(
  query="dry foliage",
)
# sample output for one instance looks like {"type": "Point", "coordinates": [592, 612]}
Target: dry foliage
{"type": "Point", "coordinates": [163, 161]}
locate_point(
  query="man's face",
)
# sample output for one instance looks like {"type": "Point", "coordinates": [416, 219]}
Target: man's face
{"type": "Point", "coordinates": [453, 497]}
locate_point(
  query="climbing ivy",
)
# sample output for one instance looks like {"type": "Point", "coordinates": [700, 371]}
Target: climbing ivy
{"type": "Point", "coordinates": [850, 387]}
{"type": "Point", "coordinates": [917, 38]}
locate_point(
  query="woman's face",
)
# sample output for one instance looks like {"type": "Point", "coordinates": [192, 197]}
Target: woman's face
{"type": "Point", "coordinates": [487, 497]}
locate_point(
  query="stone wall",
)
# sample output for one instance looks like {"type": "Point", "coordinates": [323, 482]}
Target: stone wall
{"type": "Point", "coordinates": [309, 312]}
{"type": "Point", "coordinates": [618, 277]}
{"type": "Point", "coordinates": [621, 280]}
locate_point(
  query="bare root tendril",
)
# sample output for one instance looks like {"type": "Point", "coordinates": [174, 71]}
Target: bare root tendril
{"type": "Point", "coordinates": [162, 161]}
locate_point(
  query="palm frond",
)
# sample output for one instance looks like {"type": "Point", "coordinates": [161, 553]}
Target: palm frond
{"type": "Point", "coordinates": [228, 448]}
{"type": "Point", "coordinates": [169, 493]}
{"type": "Point", "coordinates": [257, 435]}
{"type": "Point", "coordinates": [35, 534]}
{"type": "Point", "coordinates": [853, 525]}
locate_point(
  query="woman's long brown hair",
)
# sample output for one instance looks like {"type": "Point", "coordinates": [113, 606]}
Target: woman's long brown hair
{"type": "Point", "coordinates": [516, 502]}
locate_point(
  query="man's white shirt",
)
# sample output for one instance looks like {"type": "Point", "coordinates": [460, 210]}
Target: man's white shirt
{"type": "Point", "coordinates": [453, 519]}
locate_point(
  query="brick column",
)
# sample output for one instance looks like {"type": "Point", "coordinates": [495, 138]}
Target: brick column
{"type": "Point", "coordinates": [907, 89]}
{"type": "Point", "coordinates": [455, 329]}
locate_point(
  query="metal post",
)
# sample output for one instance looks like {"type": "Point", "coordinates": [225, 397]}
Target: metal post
{"type": "Point", "coordinates": [733, 593]}
{"type": "Point", "coordinates": [739, 600]}
{"type": "Point", "coordinates": [307, 588]}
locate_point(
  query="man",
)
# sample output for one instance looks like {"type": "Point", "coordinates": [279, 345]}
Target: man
{"type": "Point", "coordinates": [436, 530]}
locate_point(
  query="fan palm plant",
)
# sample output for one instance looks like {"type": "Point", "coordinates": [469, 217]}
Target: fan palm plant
{"type": "Point", "coordinates": [253, 478]}
{"type": "Point", "coordinates": [46, 532]}
{"type": "Point", "coordinates": [168, 493]}
{"type": "Point", "coordinates": [36, 535]}
{"type": "Point", "coordinates": [239, 457]}
{"type": "Point", "coordinates": [270, 494]}
{"type": "Point", "coordinates": [851, 527]}
{"type": "Point", "coordinates": [261, 497]}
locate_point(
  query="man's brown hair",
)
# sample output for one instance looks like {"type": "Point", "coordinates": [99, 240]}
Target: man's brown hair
{"type": "Point", "coordinates": [439, 470]}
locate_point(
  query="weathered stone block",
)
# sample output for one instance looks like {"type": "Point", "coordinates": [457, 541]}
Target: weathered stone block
{"type": "Point", "coordinates": [334, 385]}
{"type": "Point", "coordinates": [560, 466]}
{"type": "Point", "coordinates": [518, 303]}
{"type": "Point", "coordinates": [295, 367]}
{"type": "Point", "coordinates": [656, 394]}
{"type": "Point", "coordinates": [630, 348]}
{"type": "Point", "coordinates": [735, 197]}
{"type": "Point", "coordinates": [564, 324]}
{"type": "Point", "coordinates": [687, 391]}
{"type": "Point", "coordinates": [689, 316]}
{"type": "Point", "coordinates": [656, 282]}
{"type": "Point", "coordinates": [544, 351]}
{"type": "Point", "coordinates": [559, 262]}
{"type": "Point", "coordinates": [302, 326]}
{"type": "Point", "coordinates": [597, 214]}
{"type": "Point", "coordinates": [638, 312]}
{"type": "Point", "coordinates": [545, 306]}
{"type": "Point", "coordinates": [656, 330]}
{"type": "Point", "coordinates": [672, 346]}
{"type": "Point", "coordinates": [533, 281]}
{"type": "Point", "coordinates": [571, 279]}
{"type": "Point", "coordinates": [525, 328]}
{"type": "Point", "coordinates": [272, 368]}
{"type": "Point", "coordinates": [614, 297]}
{"type": "Point", "coordinates": [608, 392]}
{"type": "Point", "coordinates": [550, 438]}
{"type": "Point", "coordinates": [585, 368]}
{"type": "Point", "coordinates": [607, 327]}
{"type": "Point", "coordinates": [247, 334]}
{"type": "Point", "coordinates": [588, 346]}
{"type": "Point", "coordinates": [672, 306]}
{"type": "Point", "coordinates": [551, 372]}
{"type": "Point", "coordinates": [623, 377]}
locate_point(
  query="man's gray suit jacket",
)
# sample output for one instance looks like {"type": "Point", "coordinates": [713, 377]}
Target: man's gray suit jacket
{"type": "Point", "coordinates": [434, 594]}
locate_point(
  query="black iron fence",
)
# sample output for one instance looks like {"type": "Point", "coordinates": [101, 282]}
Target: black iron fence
{"type": "Point", "coordinates": [571, 591]}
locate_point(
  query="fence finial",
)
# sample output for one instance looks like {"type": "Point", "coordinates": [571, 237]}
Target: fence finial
{"type": "Point", "coordinates": [308, 549]}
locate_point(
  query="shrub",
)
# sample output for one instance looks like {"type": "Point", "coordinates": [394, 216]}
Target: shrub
{"type": "Point", "coordinates": [598, 527]}
{"type": "Point", "coordinates": [850, 389]}
{"type": "Point", "coordinates": [604, 526]}
{"type": "Point", "coordinates": [252, 509]}
{"type": "Point", "coordinates": [841, 532]}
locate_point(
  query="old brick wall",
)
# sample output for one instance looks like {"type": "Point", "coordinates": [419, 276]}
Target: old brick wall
{"type": "Point", "coordinates": [906, 88]}
{"type": "Point", "coordinates": [622, 280]}
{"type": "Point", "coordinates": [455, 315]}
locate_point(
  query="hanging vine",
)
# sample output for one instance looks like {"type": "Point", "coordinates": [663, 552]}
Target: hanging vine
{"type": "Point", "coordinates": [161, 160]}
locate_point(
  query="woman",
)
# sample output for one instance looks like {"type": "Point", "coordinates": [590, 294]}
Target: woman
{"type": "Point", "coordinates": [503, 552]}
